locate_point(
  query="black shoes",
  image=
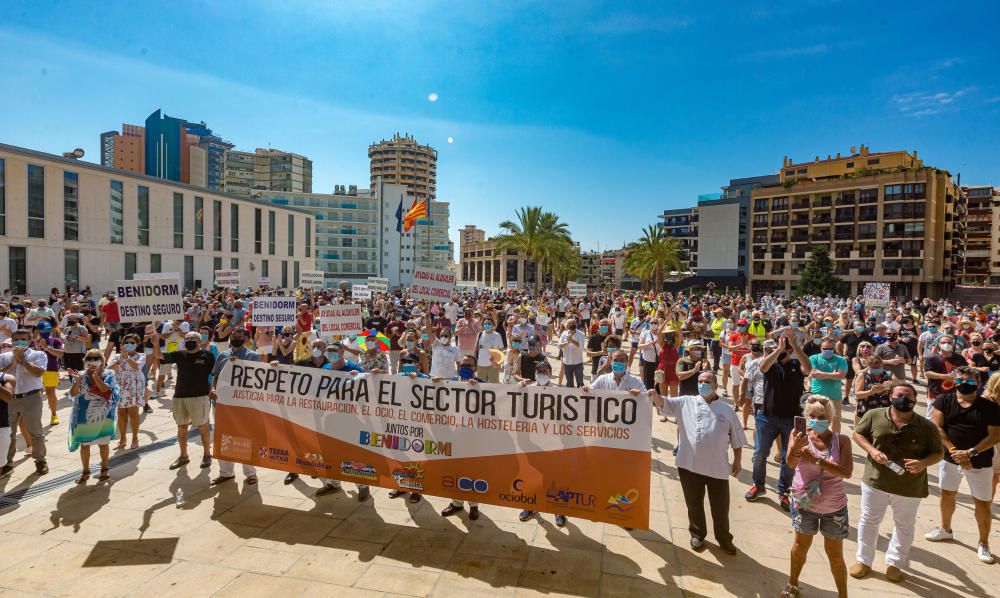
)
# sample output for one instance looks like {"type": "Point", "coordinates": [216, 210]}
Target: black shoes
{"type": "Point", "coordinates": [291, 478]}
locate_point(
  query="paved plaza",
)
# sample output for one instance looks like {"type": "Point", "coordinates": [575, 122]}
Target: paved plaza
{"type": "Point", "coordinates": [129, 537]}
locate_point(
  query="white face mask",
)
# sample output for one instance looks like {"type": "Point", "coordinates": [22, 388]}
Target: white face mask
{"type": "Point", "coordinates": [317, 353]}
{"type": "Point", "coordinates": [542, 379]}
{"type": "Point", "coordinates": [947, 346]}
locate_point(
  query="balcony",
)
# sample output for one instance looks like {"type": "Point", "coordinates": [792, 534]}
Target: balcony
{"type": "Point", "coordinates": [820, 236]}
{"type": "Point", "coordinates": [800, 220]}
{"type": "Point", "coordinates": [800, 238]}
{"type": "Point", "coordinates": [822, 202]}
{"type": "Point", "coordinates": [821, 219]}
{"type": "Point", "coordinates": [801, 204]}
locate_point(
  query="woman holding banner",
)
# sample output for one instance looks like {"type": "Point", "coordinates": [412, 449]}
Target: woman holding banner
{"type": "Point", "coordinates": [95, 395]}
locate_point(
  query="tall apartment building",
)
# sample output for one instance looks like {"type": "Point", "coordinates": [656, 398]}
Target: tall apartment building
{"type": "Point", "coordinates": [682, 224]}
{"type": "Point", "coordinates": [266, 169]}
{"type": "Point", "coordinates": [590, 269]}
{"type": "Point", "coordinates": [470, 233]}
{"type": "Point", "coordinates": [125, 150]}
{"type": "Point", "coordinates": [885, 217]}
{"type": "Point", "coordinates": [403, 161]}
{"type": "Point", "coordinates": [982, 251]}
{"type": "Point", "coordinates": [358, 232]}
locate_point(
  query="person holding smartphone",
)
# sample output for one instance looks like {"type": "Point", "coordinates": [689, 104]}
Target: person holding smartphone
{"type": "Point", "coordinates": [95, 395]}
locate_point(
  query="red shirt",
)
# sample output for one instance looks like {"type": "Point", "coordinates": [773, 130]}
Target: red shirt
{"type": "Point", "coordinates": [736, 338]}
{"type": "Point", "coordinates": [110, 310]}
{"type": "Point", "coordinates": [305, 321]}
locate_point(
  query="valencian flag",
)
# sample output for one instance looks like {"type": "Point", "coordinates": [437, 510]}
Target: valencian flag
{"type": "Point", "coordinates": [418, 211]}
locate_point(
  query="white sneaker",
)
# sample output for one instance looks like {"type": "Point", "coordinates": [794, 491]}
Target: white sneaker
{"type": "Point", "coordinates": [984, 554]}
{"type": "Point", "coordinates": [938, 535]}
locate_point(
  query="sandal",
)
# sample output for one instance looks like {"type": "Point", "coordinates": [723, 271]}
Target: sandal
{"type": "Point", "coordinates": [104, 475]}
{"type": "Point", "coordinates": [120, 447]}
{"type": "Point", "coordinates": [83, 478]}
{"type": "Point", "coordinates": [135, 445]}
{"type": "Point", "coordinates": [790, 591]}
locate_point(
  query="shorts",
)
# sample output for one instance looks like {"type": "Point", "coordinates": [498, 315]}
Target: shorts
{"type": "Point", "coordinates": [980, 480]}
{"type": "Point", "coordinates": [191, 411]}
{"type": "Point", "coordinates": [50, 379]}
{"type": "Point", "coordinates": [734, 375]}
{"type": "Point", "coordinates": [832, 525]}
{"type": "Point", "coordinates": [635, 344]}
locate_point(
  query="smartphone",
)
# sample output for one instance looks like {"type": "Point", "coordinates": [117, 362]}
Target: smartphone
{"type": "Point", "coordinates": [800, 425]}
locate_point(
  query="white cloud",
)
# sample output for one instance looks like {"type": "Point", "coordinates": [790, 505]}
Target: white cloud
{"type": "Point", "coordinates": [631, 23]}
{"type": "Point", "coordinates": [922, 103]}
{"type": "Point", "coordinates": [790, 52]}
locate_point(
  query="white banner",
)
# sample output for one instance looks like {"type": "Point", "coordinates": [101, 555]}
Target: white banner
{"type": "Point", "coordinates": [311, 279]}
{"type": "Point", "coordinates": [264, 281]}
{"type": "Point", "coordinates": [432, 285]}
{"type": "Point", "coordinates": [149, 299]}
{"type": "Point", "coordinates": [339, 320]}
{"type": "Point", "coordinates": [273, 311]}
{"type": "Point", "coordinates": [360, 291]}
{"type": "Point", "coordinates": [511, 284]}
{"type": "Point", "coordinates": [876, 294]}
{"type": "Point", "coordinates": [227, 278]}
{"type": "Point", "coordinates": [378, 285]}
{"type": "Point", "coordinates": [576, 289]}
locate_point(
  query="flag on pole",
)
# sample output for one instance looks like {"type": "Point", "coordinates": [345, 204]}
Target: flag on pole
{"type": "Point", "coordinates": [399, 217]}
{"type": "Point", "coordinates": [417, 212]}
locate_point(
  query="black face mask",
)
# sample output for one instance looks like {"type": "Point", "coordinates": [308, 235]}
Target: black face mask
{"type": "Point", "coordinates": [966, 388]}
{"type": "Point", "coordinates": [236, 342]}
{"type": "Point", "coordinates": [190, 345]}
{"type": "Point", "coordinates": [903, 404]}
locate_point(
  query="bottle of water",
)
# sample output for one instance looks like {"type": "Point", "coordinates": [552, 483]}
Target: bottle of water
{"type": "Point", "coordinates": [179, 498]}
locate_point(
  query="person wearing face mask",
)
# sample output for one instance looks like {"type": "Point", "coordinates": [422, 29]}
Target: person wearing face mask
{"type": "Point", "coordinates": [489, 339]}
{"type": "Point", "coordinates": [466, 373]}
{"type": "Point", "coordinates": [571, 343]}
{"type": "Point", "coordinates": [543, 379]}
{"type": "Point", "coordinates": [894, 355]}
{"type": "Point", "coordinates": [900, 447]}
{"type": "Point", "coordinates": [191, 394]}
{"type": "Point", "coordinates": [395, 330]}
{"type": "Point", "coordinates": [708, 429]}
{"type": "Point", "coordinates": [928, 340]}
{"type": "Point", "coordinates": [848, 347]}
{"type": "Point", "coordinates": [95, 394]}
{"type": "Point", "coordinates": [26, 365]}
{"type": "Point", "coordinates": [619, 378]}
{"type": "Point", "coordinates": [237, 351]}
{"type": "Point", "coordinates": [828, 373]}
{"type": "Point", "coordinates": [595, 344]}
{"type": "Point", "coordinates": [526, 359]}
{"type": "Point", "coordinates": [872, 387]}
{"type": "Point", "coordinates": [822, 460]}
{"type": "Point", "coordinates": [128, 366]}
{"type": "Point", "coordinates": [444, 354]}
{"type": "Point", "coordinates": [970, 427]}
{"type": "Point", "coordinates": [939, 369]}
{"type": "Point", "coordinates": [8, 325]}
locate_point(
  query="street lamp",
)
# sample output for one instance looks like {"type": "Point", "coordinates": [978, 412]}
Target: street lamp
{"type": "Point", "coordinates": [75, 154]}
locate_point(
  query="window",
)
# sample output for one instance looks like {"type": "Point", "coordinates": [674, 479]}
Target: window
{"type": "Point", "coordinates": [760, 205]}
{"type": "Point", "coordinates": [234, 226]}
{"type": "Point", "coordinates": [155, 263]}
{"type": "Point", "coordinates": [216, 225]}
{"type": "Point", "coordinates": [117, 202]}
{"type": "Point", "coordinates": [291, 236]}
{"type": "Point", "coordinates": [3, 197]}
{"type": "Point", "coordinates": [802, 171]}
{"type": "Point", "coordinates": [71, 267]}
{"type": "Point", "coordinates": [760, 220]}
{"type": "Point", "coordinates": [295, 278]}
{"type": "Point", "coordinates": [234, 263]}
{"type": "Point", "coordinates": [309, 237]}
{"type": "Point", "coordinates": [868, 195]}
{"type": "Point", "coordinates": [216, 263]}
{"type": "Point", "coordinates": [143, 198]}
{"type": "Point", "coordinates": [199, 222]}
{"type": "Point", "coordinates": [873, 161]}
{"type": "Point", "coordinates": [779, 203]}
{"type": "Point", "coordinates": [789, 173]}
{"type": "Point", "coordinates": [258, 232]}
{"type": "Point", "coordinates": [178, 221]}
{"type": "Point", "coordinates": [264, 269]}
{"type": "Point", "coordinates": [130, 260]}
{"type": "Point", "coordinates": [904, 192]}
{"type": "Point", "coordinates": [850, 164]}
{"type": "Point", "coordinates": [284, 274]}
{"type": "Point", "coordinates": [188, 271]}
{"type": "Point", "coordinates": [71, 206]}
{"type": "Point", "coordinates": [17, 264]}
{"type": "Point", "coordinates": [779, 219]}
{"type": "Point", "coordinates": [36, 201]}
{"type": "Point", "coordinates": [270, 232]}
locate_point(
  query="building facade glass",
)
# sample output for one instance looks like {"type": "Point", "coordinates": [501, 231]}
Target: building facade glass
{"type": "Point", "coordinates": [36, 201]}
{"type": "Point", "coordinates": [117, 201]}
{"type": "Point", "coordinates": [143, 208]}
{"type": "Point", "coordinates": [71, 206]}
{"type": "Point", "coordinates": [199, 222]}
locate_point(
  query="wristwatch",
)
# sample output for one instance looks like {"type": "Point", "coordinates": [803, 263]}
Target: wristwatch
{"type": "Point", "coordinates": [973, 452]}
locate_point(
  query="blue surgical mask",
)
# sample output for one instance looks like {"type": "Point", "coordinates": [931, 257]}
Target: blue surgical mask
{"type": "Point", "coordinates": [794, 324]}
{"type": "Point", "coordinates": [618, 367]}
{"type": "Point", "coordinates": [828, 353]}
{"type": "Point", "coordinates": [487, 327]}
{"type": "Point", "coordinates": [130, 347]}
{"type": "Point", "coordinates": [20, 343]}
{"type": "Point", "coordinates": [516, 344]}
{"type": "Point", "coordinates": [602, 329]}
{"type": "Point", "coordinates": [876, 371]}
{"type": "Point", "coordinates": [332, 356]}
{"type": "Point", "coordinates": [819, 425]}
{"type": "Point", "coordinates": [424, 336]}
{"type": "Point", "coordinates": [204, 337]}
{"type": "Point", "coordinates": [742, 329]}
{"type": "Point", "coordinates": [705, 389]}
{"type": "Point", "coordinates": [409, 368]}
{"type": "Point", "coordinates": [466, 373]}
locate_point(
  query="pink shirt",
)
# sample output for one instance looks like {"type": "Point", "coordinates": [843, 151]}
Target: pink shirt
{"type": "Point", "coordinates": [467, 330]}
{"type": "Point", "coordinates": [832, 497]}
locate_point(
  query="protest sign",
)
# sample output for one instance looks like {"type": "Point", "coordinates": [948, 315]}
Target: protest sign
{"type": "Point", "coordinates": [311, 279]}
{"type": "Point", "coordinates": [227, 278]}
{"type": "Point", "coordinates": [145, 300]}
{"type": "Point", "coordinates": [264, 281]}
{"type": "Point", "coordinates": [273, 311]}
{"type": "Point", "coordinates": [432, 285]}
{"type": "Point", "coordinates": [360, 291]}
{"type": "Point", "coordinates": [378, 285]}
{"type": "Point", "coordinates": [552, 449]}
{"type": "Point", "coordinates": [339, 320]}
{"type": "Point", "coordinates": [511, 284]}
{"type": "Point", "coordinates": [876, 294]}
{"type": "Point", "coordinates": [576, 289]}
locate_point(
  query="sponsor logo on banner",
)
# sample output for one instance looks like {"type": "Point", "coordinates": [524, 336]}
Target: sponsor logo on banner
{"type": "Point", "coordinates": [622, 502]}
{"type": "Point", "coordinates": [566, 497]}
{"type": "Point", "coordinates": [408, 476]}
{"type": "Point", "coordinates": [358, 470]}
{"type": "Point", "coordinates": [516, 494]}
{"type": "Point", "coordinates": [273, 455]}
{"type": "Point", "coordinates": [150, 299]}
{"type": "Point", "coordinates": [466, 484]}
{"type": "Point", "coordinates": [314, 460]}
{"type": "Point", "coordinates": [404, 444]}
{"type": "Point", "coordinates": [236, 447]}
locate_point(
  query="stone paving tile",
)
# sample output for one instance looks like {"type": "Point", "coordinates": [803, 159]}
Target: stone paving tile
{"type": "Point", "coordinates": [398, 580]}
{"type": "Point", "coordinates": [569, 570]}
{"type": "Point", "coordinates": [186, 578]}
{"type": "Point", "coordinates": [335, 560]}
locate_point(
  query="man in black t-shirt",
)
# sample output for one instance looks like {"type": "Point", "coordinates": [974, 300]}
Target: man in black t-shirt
{"type": "Point", "coordinates": [970, 427]}
{"type": "Point", "coordinates": [191, 403]}
{"type": "Point", "coordinates": [939, 368]}
{"type": "Point", "coordinates": [595, 345]}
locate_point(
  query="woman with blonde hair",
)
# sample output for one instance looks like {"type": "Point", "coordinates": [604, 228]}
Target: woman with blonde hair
{"type": "Point", "coordinates": [95, 395]}
{"type": "Point", "coordinates": [822, 461]}
{"type": "Point", "coordinates": [128, 365]}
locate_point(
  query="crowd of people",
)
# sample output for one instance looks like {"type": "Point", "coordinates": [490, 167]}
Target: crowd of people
{"type": "Point", "coordinates": [797, 368]}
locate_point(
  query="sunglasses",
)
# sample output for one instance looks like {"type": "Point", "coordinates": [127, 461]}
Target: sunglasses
{"type": "Point", "coordinates": [964, 381]}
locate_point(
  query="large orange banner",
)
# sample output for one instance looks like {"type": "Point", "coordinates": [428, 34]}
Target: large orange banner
{"type": "Point", "coordinates": [556, 450]}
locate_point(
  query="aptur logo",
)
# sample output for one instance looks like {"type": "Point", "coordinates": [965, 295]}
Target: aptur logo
{"type": "Point", "coordinates": [564, 496]}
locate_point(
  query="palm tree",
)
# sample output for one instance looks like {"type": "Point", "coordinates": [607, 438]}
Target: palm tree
{"type": "Point", "coordinates": [538, 235]}
{"type": "Point", "coordinates": [653, 255]}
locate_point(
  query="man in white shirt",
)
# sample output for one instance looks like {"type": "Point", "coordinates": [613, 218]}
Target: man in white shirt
{"type": "Point", "coordinates": [444, 354]}
{"type": "Point", "coordinates": [584, 307]}
{"type": "Point", "coordinates": [571, 342]}
{"type": "Point", "coordinates": [707, 429]}
{"type": "Point", "coordinates": [619, 378]}
{"type": "Point", "coordinates": [8, 325]}
{"type": "Point", "coordinates": [451, 312]}
{"type": "Point", "coordinates": [488, 339]}
{"type": "Point", "coordinates": [26, 365]}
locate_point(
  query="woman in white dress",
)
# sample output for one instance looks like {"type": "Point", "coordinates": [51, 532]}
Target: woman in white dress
{"type": "Point", "coordinates": [128, 368]}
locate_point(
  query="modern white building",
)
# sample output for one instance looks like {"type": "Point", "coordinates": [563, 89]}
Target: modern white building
{"type": "Point", "coordinates": [359, 232]}
{"type": "Point", "coordinates": [67, 222]}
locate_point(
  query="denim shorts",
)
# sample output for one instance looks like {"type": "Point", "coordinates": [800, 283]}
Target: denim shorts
{"type": "Point", "coordinates": [832, 525]}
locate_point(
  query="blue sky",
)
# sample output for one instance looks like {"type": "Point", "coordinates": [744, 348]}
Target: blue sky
{"type": "Point", "coordinates": [606, 113]}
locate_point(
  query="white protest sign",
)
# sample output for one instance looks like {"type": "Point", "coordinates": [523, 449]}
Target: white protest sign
{"type": "Point", "coordinates": [149, 299]}
{"type": "Point", "coordinates": [511, 284]}
{"type": "Point", "coordinates": [311, 279]}
{"type": "Point", "coordinates": [339, 320]}
{"type": "Point", "coordinates": [432, 285]}
{"type": "Point", "coordinates": [273, 311]}
{"type": "Point", "coordinates": [264, 281]}
{"type": "Point", "coordinates": [576, 289]}
{"type": "Point", "coordinates": [227, 278]}
{"type": "Point", "coordinates": [378, 285]}
{"type": "Point", "coordinates": [360, 291]}
{"type": "Point", "coordinates": [876, 294]}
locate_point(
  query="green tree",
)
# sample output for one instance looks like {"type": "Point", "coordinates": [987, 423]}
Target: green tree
{"type": "Point", "coordinates": [652, 256]}
{"type": "Point", "coordinates": [817, 277]}
{"type": "Point", "coordinates": [540, 236]}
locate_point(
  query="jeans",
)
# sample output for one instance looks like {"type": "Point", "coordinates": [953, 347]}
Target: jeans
{"type": "Point", "coordinates": [769, 428]}
{"type": "Point", "coordinates": [573, 372]}
{"type": "Point", "coordinates": [904, 517]}
{"type": "Point", "coordinates": [716, 354]}
{"type": "Point", "coordinates": [694, 486]}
